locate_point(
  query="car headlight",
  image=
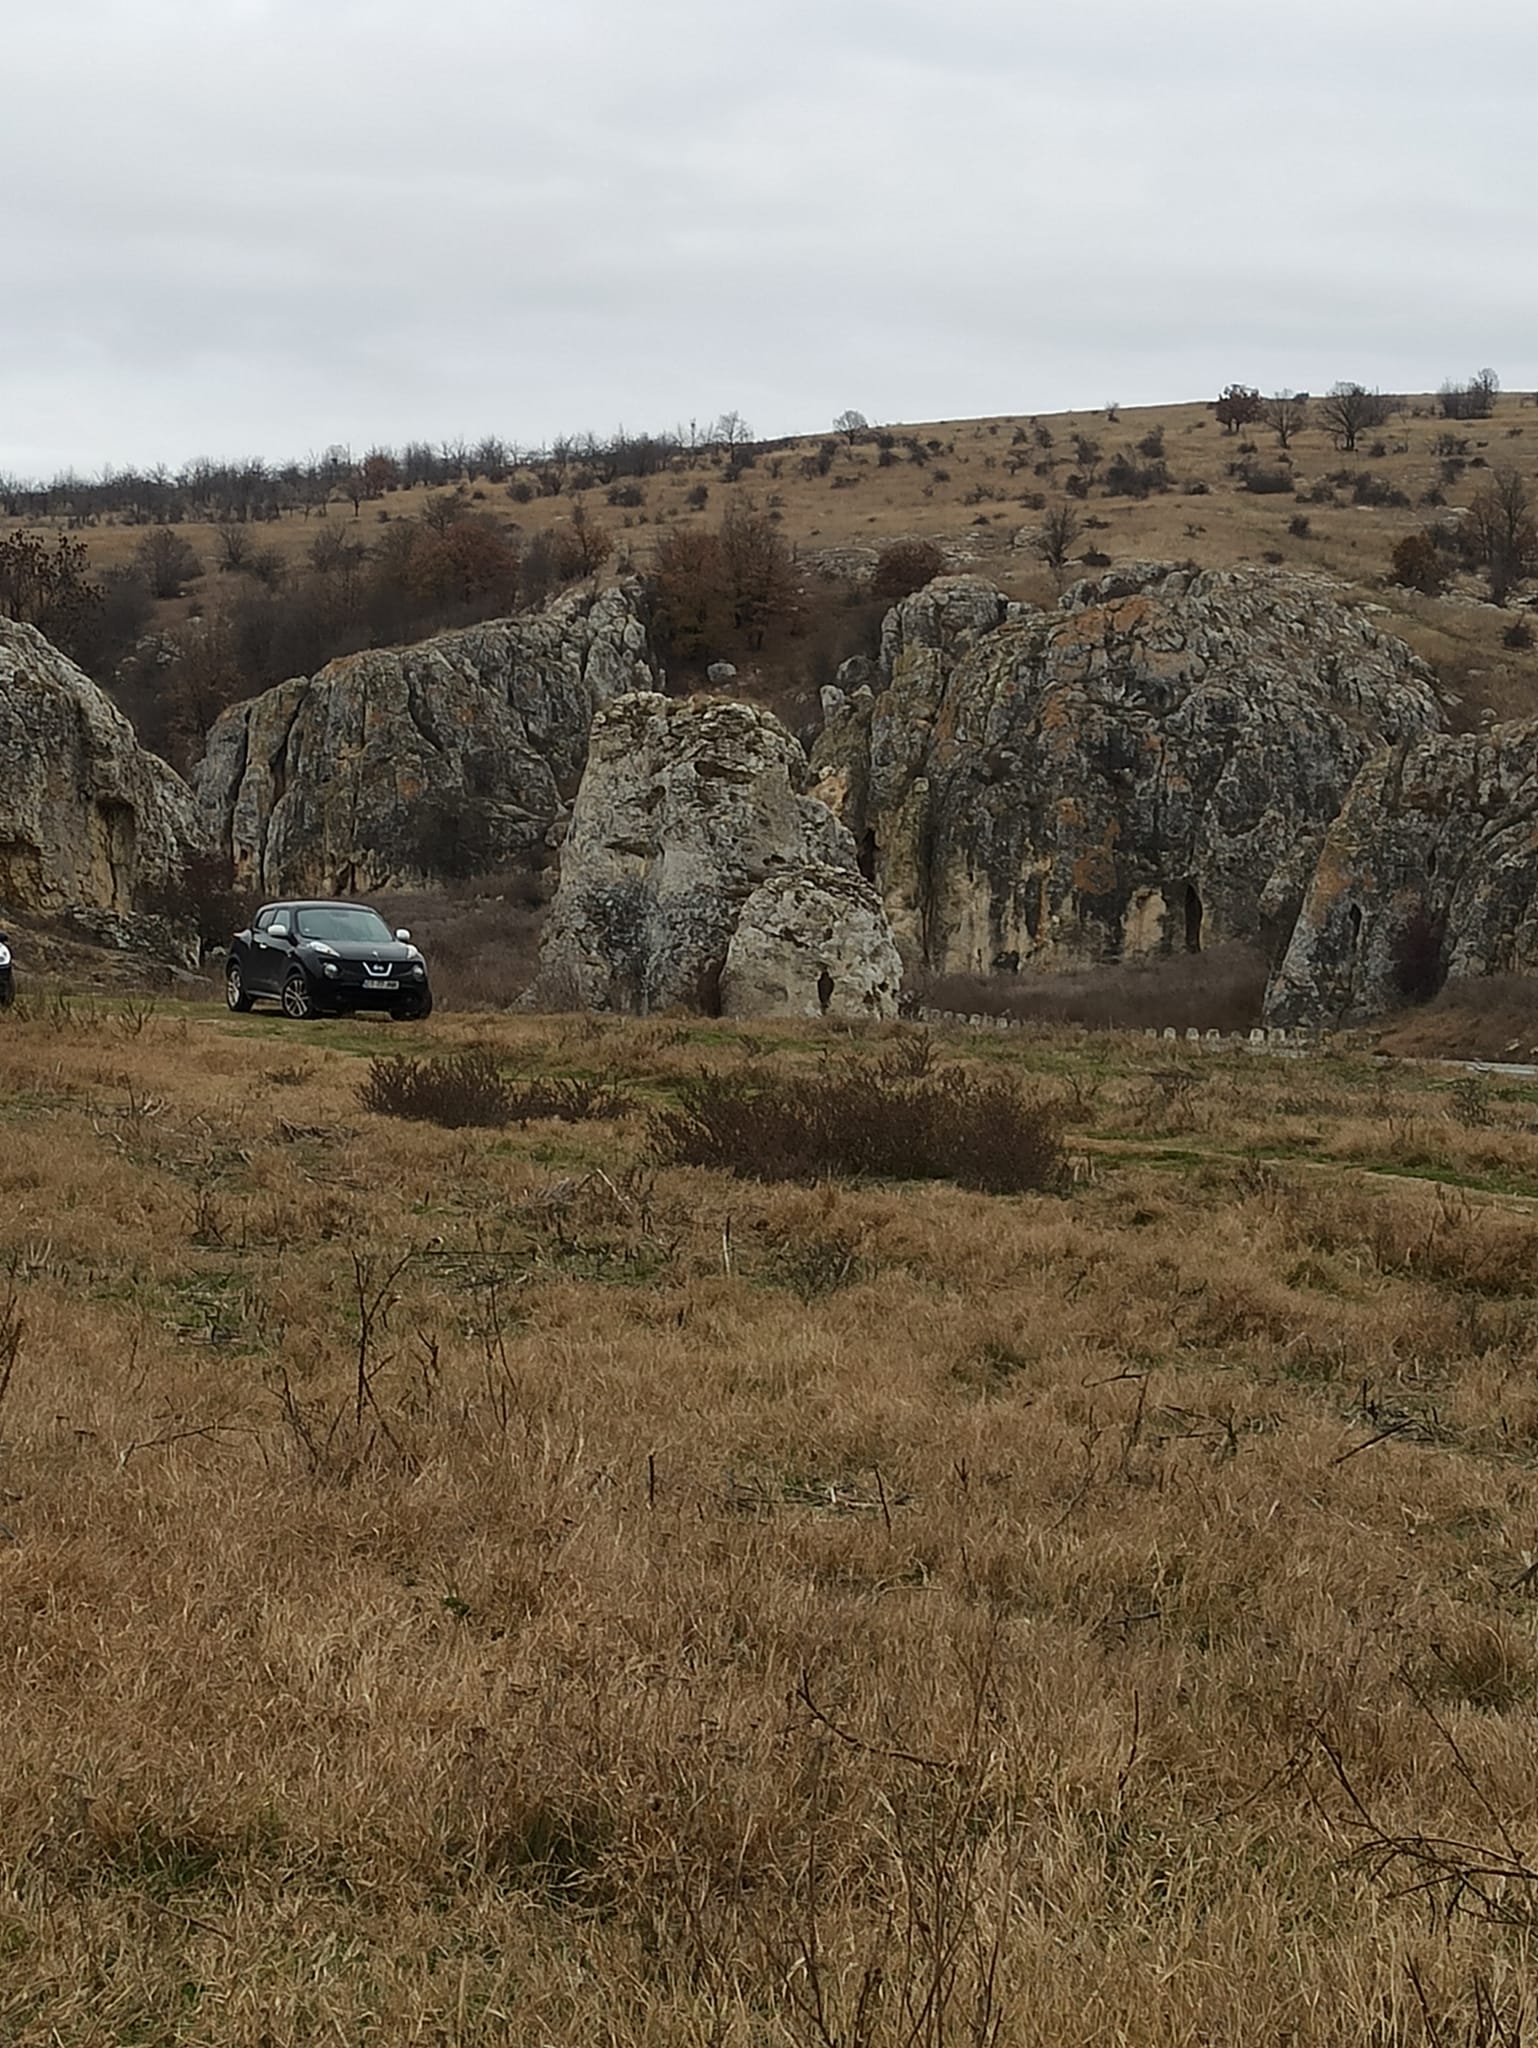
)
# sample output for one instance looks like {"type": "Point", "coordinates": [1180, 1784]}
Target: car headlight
{"type": "Point", "coordinates": [326, 952]}
{"type": "Point", "coordinates": [419, 970]}
{"type": "Point", "coordinates": [331, 967]}
{"type": "Point", "coordinates": [5, 954]}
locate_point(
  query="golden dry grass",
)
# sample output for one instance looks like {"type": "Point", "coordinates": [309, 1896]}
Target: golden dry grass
{"type": "Point", "coordinates": [472, 1587]}
{"type": "Point", "coordinates": [973, 495]}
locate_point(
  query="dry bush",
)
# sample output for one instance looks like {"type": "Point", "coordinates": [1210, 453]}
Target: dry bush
{"type": "Point", "coordinates": [468, 1089]}
{"type": "Point", "coordinates": [1220, 989]}
{"type": "Point", "coordinates": [904, 566]}
{"type": "Point", "coordinates": [461, 1089]}
{"type": "Point", "coordinates": [863, 1119]}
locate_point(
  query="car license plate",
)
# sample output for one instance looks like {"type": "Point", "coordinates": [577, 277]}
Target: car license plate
{"type": "Point", "coordinates": [384, 987]}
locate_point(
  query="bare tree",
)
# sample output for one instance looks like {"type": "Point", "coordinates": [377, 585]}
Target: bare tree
{"type": "Point", "coordinates": [1286, 414]}
{"type": "Point", "coordinates": [759, 572]}
{"type": "Point", "coordinates": [1087, 454]}
{"type": "Point", "coordinates": [166, 560]}
{"type": "Point", "coordinates": [1059, 530]}
{"type": "Point", "coordinates": [47, 587]}
{"type": "Point", "coordinates": [732, 429]}
{"type": "Point", "coordinates": [1472, 401]}
{"type": "Point", "coordinates": [851, 424]}
{"type": "Point", "coordinates": [1500, 533]}
{"type": "Point", "coordinates": [1347, 410]}
{"type": "Point", "coordinates": [1239, 405]}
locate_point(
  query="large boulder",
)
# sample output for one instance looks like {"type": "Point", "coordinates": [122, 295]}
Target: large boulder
{"type": "Point", "coordinates": [697, 872]}
{"type": "Point", "coordinates": [1430, 870]}
{"type": "Point", "coordinates": [813, 942]}
{"type": "Point", "coordinates": [1150, 767]}
{"type": "Point", "coordinates": [89, 821]}
{"type": "Point", "coordinates": [390, 766]}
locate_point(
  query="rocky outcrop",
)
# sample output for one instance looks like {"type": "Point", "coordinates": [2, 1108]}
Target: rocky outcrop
{"type": "Point", "coordinates": [697, 872]}
{"type": "Point", "coordinates": [1430, 871]}
{"type": "Point", "coordinates": [389, 766]}
{"type": "Point", "coordinates": [814, 942]}
{"type": "Point", "coordinates": [1149, 767]}
{"type": "Point", "coordinates": [89, 821]}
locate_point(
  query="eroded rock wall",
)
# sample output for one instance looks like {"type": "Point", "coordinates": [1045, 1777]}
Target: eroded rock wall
{"type": "Point", "coordinates": [1151, 766]}
{"type": "Point", "coordinates": [88, 818]}
{"type": "Point", "coordinates": [392, 765]}
{"type": "Point", "coordinates": [1429, 871]}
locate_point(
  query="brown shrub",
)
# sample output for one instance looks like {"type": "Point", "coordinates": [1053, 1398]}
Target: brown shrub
{"type": "Point", "coordinates": [865, 1120]}
{"type": "Point", "coordinates": [466, 1088]}
{"type": "Point", "coordinates": [470, 1088]}
{"type": "Point", "coordinates": [904, 566]}
{"type": "Point", "coordinates": [1418, 564]}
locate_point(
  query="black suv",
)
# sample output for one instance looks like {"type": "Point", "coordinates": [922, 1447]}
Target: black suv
{"type": "Point", "coordinates": [318, 958]}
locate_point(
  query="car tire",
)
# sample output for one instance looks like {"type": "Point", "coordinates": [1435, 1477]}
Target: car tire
{"type": "Point", "coordinates": [419, 1007]}
{"type": "Point", "coordinates": [298, 997]}
{"type": "Point", "coordinates": [234, 988]}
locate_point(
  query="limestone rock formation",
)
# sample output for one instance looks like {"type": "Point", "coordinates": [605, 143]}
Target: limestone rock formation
{"type": "Point", "coordinates": [812, 942]}
{"type": "Point", "coordinates": [89, 821]}
{"type": "Point", "coordinates": [1430, 870]}
{"type": "Point", "coordinates": [456, 754]}
{"type": "Point", "coordinates": [1150, 766]}
{"type": "Point", "coordinates": [697, 872]}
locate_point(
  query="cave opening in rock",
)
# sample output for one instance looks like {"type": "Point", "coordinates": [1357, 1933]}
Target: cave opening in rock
{"type": "Point", "coordinates": [824, 990]}
{"type": "Point", "coordinates": [1193, 919]}
{"type": "Point", "coordinates": [865, 857]}
{"type": "Point", "coordinates": [1356, 922]}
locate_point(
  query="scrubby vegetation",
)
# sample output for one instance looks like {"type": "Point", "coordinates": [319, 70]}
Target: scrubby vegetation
{"type": "Point", "coordinates": [894, 1120]}
{"type": "Point", "coordinates": [777, 555]}
{"type": "Point", "coordinates": [488, 1583]}
{"type": "Point", "coordinates": [473, 1089]}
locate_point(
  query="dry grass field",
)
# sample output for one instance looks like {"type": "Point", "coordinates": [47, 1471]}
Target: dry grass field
{"type": "Point", "coordinates": [982, 487]}
{"type": "Point", "coordinates": [483, 1585]}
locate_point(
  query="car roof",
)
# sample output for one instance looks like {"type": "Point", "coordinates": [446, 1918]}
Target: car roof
{"type": "Point", "coordinates": [315, 903]}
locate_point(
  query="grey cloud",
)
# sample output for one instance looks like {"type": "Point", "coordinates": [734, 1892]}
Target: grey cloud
{"type": "Point", "coordinates": [264, 225]}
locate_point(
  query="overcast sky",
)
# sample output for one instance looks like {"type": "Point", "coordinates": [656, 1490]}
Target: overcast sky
{"type": "Point", "coordinates": [260, 227]}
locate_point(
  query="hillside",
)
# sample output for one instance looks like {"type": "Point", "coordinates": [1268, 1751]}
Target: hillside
{"type": "Point", "coordinates": [980, 489]}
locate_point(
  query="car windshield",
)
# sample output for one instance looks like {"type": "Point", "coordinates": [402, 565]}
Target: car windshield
{"type": "Point", "coordinates": [344, 922]}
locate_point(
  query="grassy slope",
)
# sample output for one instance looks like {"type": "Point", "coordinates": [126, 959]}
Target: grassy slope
{"type": "Point", "coordinates": [715, 1598]}
{"type": "Point", "coordinates": [976, 508]}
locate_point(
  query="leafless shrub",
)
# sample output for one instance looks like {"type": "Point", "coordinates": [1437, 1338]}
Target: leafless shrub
{"type": "Point", "coordinates": [862, 1120]}
{"type": "Point", "coordinates": [470, 1088]}
{"type": "Point", "coordinates": [467, 1088]}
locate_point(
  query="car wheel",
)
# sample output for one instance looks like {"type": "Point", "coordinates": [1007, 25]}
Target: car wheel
{"type": "Point", "coordinates": [298, 1002]}
{"type": "Point", "coordinates": [416, 1009]}
{"type": "Point", "coordinates": [234, 988]}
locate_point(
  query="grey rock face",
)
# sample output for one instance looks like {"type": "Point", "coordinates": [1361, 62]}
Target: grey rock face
{"type": "Point", "coordinates": [1431, 868]}
{"type": "Point", "coordinates": [388, 765]}
{"type": "Point", "coordinates": [689, 811]}
{"type": "Point", "coordinates": [88, 819]}
{"type": "Point", "coordinates": [1152, 765]}
{"type": "Point", "coordinates": [812, 943]}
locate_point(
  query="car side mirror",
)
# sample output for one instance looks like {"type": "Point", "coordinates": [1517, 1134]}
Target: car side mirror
{"type": "Point", "coordinates": [403, 934]}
